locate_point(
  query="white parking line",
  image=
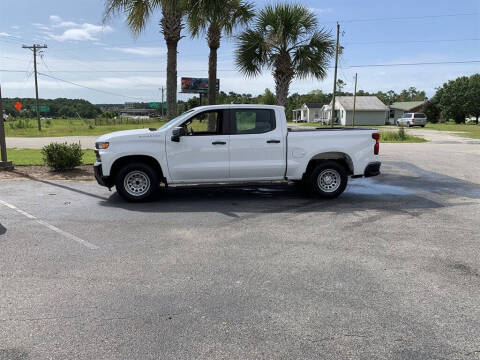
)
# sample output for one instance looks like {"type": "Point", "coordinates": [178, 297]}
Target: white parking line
{"type": "Point", "coordinates": [51, 227]}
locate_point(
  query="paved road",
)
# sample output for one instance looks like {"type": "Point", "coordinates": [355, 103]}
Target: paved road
{"type": "Point", "coordinates": [87, 142]}
{"type": "Point", "coordinates": [390, 270]}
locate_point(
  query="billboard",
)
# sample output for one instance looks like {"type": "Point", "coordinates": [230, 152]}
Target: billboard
{"type": "Point", "coordinates": [196, 85]}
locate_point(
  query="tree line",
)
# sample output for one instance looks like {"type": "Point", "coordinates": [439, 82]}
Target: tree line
{"type": "Point", "coordinates": [456, 99]}
{"type": "Point", "coordinates": [60, 107]}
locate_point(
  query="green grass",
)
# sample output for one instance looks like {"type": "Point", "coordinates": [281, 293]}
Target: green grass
{"type": "Point", "coordinates": [395, 137]}
{"type": "Point", "coordinates": [389, 135]}
{"type": "Point", "coordinates": [34, 156]}
{"type": "Point", "coordinates": [75, 127]}
{"type": "Point", "coordinates": [471, 131]}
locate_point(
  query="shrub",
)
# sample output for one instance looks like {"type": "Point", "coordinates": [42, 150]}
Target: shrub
{"type": "Point", "coordinates": [21, 124]}
{"type": "Point", "coordinates": [399, 136]}
{"type": "Point", "coordinates": [62, 156]}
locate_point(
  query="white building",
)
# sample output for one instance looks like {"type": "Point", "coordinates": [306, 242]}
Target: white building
{"type": "Point", "coordinates": [369, 110]}
{"type": "Point", "coordinates": [309, 112]}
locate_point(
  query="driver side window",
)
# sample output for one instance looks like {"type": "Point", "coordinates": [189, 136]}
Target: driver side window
{"type": "Point", "coordinates": [205, 123]}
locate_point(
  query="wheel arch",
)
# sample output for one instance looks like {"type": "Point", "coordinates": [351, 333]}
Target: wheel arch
{"type": "Point", "coordinates": [146, 159]}
{"type": "Point", "coordinates": [337, 156]}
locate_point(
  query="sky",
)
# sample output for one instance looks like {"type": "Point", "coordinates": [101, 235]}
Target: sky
{"type": "Point", "coordinates": [103, 57]}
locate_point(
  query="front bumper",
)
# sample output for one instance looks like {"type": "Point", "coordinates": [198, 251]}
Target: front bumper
{"type": "Point", "coordinates": [372, 169]}
{"type": "Point", "coordinates": [102, 180]}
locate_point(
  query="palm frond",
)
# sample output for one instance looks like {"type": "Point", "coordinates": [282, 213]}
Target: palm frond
{"type": "Point", "coordinates": [312, 59]}
{"type": "Point", "coordinates": [252, 53]}
{"type": "Point", "coordinates": [138, 11]}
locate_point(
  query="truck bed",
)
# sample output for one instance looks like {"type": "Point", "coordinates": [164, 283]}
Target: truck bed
{"type": "Point", "coordinates": [308, 128]}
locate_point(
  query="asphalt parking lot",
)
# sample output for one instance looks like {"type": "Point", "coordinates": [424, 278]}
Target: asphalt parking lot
{"type": "Point", "coordinates": [390, 270]}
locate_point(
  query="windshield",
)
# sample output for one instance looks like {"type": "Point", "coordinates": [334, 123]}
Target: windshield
{"type": "Point", "coordinates": [177, 118]}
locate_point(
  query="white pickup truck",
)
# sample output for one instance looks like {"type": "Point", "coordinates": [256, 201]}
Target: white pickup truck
{"type": "Point", "coordinates": [224, 144]}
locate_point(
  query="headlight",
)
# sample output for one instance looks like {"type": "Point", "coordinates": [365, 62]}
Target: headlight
{"type": "Point", "coordinates": [102, 145]}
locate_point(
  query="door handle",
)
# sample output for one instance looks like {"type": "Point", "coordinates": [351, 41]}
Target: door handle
{"type": "Point", "coordinates": [273, 141]}
{"type": "Point", "coordinates": [219, 143]}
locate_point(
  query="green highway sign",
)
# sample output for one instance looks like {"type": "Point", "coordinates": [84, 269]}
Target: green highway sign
{"type": "Point", "coordinates": [156, 105]}
{"type": "Point", "coordinates": [41, 108]}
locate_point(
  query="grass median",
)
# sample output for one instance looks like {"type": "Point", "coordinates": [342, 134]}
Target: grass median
{"type": "Point", "coordinates": [389, 134]}
{"type": "Point", "coordinates": [34, 156]}
{"type": "Point", "coordinates": [470, 130]}
{"type": "Point", "coordinates": [75, 127]}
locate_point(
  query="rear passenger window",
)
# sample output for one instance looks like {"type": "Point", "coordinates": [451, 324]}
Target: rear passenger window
{"type": "Point", "coordinates": [407, 115]}
{"type": "Point", "coordinates": [419, 116]}
{"type": "Point", "coordinates": [252, 121]}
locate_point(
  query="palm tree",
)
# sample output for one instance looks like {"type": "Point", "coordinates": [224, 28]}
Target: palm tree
{"type": "Point", "coordinates": [214, 18]}
{"type": "Point", "coordinates": [138, 13]}
{"type": "Point", "coordinates": [285, 38]}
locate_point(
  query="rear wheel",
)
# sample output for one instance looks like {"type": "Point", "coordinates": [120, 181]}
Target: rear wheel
{"type": "Point", "coordinates": [136, 182]}
{"type": "Point", "coordinates": [328, 180]}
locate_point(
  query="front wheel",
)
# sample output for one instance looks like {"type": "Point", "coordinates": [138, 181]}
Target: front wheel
{"type": "Point", "coordinates": [136, 182]}
{"type": "Point", "coordinates": [328, 180]}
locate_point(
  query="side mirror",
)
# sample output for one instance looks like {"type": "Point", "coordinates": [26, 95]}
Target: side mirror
{"type": "Point", "coordinates": [177, 133]}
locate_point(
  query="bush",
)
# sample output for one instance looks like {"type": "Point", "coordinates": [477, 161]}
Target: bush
{"type": "Point", "coordinates": [21, 124]}
{"type": "Point", "coordinates": [399, 136]}
{"type": "Point", "coordinates": [62, 156]}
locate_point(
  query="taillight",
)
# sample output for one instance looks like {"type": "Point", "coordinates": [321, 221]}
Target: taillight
{"type": "Point", "coordinates": [376, 148]}
{"type": "Point", "coordinates": [413, 121]}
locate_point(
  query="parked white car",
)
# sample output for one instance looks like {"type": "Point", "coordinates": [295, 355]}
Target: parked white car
{"type": "Point", "coordinates": [412, 119]}
{"type": "Point", "coordinates": [234, 144]}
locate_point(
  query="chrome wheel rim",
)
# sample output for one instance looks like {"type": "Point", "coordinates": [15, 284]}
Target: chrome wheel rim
{"type": "Point", "coordinates": [136, 183]}
{"type": "Point", "coordinates": [329, 180]}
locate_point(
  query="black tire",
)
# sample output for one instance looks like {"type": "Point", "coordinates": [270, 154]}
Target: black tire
{"type": "Point", "coordinates": [422, 125]}
{"type": "Point", "coordinates": [329, 171]}
{"type": "Point", "coordinates": [142, 178]}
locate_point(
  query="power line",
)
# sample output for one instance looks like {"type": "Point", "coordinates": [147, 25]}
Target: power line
{"type": "Point", "coordinates": [90, 88]}
{"type": "Point", "coordinates": [408, 17]}
{"type": "Point", "coordinates": [408, 41]}
{"type": "Point", "coordinates": [415, 64]}
{"type": "Point", "coordinates": [221, 70]}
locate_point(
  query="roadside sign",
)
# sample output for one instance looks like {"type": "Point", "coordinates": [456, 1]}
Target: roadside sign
{"type": "Point", "coordinates": [154, 105]}
{"type": "Point", "coordinates": [41, 108]}
{"type": "Point", "coordinates": [18, 105]}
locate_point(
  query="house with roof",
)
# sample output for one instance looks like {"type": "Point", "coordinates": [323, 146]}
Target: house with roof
{"type": "Point", "coordinates": [397, 109]}
{"type": "Point", "coordinates": [369, 110]}
{"type": "Point", "coordinates": [308, 112]}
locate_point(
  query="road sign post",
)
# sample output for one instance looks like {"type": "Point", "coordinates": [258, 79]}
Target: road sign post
{"type": "Point", "coordinates": [4, 164]}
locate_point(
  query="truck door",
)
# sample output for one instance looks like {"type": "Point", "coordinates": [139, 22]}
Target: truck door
{"type": "Point", "coordinates": [202, 153]}
{"type": "Point", "coordinates": [257, 145]}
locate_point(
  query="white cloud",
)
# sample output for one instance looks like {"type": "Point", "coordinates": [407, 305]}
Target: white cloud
{"type": "Point", "coordinates": [85, 32]}
{"type": "Point", "coordinates": [41, 26]}
{"type": "Point", "coordinates": [55, 18]}
{"type": "Point", "coordinates": [73, 30]}
{"type": "Point", "coordinates": [144, 51]}
{"type": "Point", "coordinates": [15, 27]}
{"type": "Point", "coordinates": [4, 34]}
{"type": "Point", "coordinates": [58, 22]}
{"type": "Point", "coordinates": [321, 10]}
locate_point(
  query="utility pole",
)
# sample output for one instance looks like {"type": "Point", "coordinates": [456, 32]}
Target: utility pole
{"type": "Point", "coordinates": [162, 89]}
{"type": "Point", "coordinates": [34, 48]}
{"type": "Point", "coordinates": [354, 101]}
{"type": "Point", "coordinates": [335, 76]}
{"type": "Point", "coordinates": [4, 164]}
